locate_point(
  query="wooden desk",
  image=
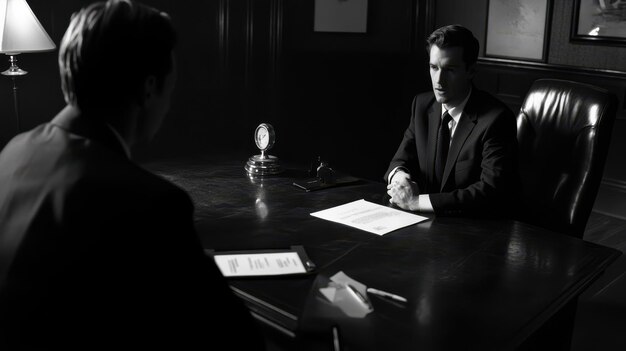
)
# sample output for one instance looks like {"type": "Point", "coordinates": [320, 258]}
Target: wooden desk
{"type": "Point", "coordinates": [471, 283]}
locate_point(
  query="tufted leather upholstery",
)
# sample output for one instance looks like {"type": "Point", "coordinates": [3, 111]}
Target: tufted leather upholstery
{"type": "Point", "coordinates": [563, 133]}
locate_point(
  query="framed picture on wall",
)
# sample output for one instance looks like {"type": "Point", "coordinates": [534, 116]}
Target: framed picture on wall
{"type": "Point", "coordinates": [518, 29]}
{"type": "Point", "coordinates": [599, 21]}
{"type": "Point", "coordinates": [349, 16]}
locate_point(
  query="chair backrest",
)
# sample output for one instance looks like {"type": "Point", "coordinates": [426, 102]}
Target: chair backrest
{"type": "Point", "coordinates": [563, 133]}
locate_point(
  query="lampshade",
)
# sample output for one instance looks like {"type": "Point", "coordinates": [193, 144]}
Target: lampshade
{"type": "Point", "coordinates": [20, 30]}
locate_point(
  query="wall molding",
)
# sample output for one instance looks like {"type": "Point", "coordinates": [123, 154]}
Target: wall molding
{"type": "Point", "coordinates": [422, 22]}
{"type": "Point", "coordinates": [614, 184]}
{"type": "Point", "coordinates": [276, 37]}
{"type": "Point", "coordinates": [511, 79]}
{"type": "Point", "coordinates": [611, 197]}
{"type": "Point", "coordinates": [249, 41]}
{"type": "Point", "coordinates": [222, 40]}
{"type": "Point", "coordinates": [540, 66]}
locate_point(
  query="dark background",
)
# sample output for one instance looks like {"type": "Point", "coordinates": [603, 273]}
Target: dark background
{"type": "Point", "coordinates": [342, 96]}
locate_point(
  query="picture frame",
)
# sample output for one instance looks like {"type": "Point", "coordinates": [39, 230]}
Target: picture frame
{"type": "Point", "coordinates": [518, 30]}
{"type": "Point", "coordinates": [599, 22]}
{"type": "Point", "coordinates": [346, 16]}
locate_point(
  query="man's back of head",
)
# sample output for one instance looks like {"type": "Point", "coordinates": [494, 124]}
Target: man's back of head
{"type": "Point", "coordinates": [96, 251]}
{"type": "Point", "coordinates": [108, 51]}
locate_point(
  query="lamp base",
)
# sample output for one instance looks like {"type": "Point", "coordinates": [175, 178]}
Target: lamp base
{"type": "Point", "coordinates": [13, 70]}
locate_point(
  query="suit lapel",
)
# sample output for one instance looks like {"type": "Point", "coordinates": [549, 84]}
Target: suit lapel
{"type": "Point", "coordinates": [434, 119]}
{"type": "Point", "coordinates": [462, 132]}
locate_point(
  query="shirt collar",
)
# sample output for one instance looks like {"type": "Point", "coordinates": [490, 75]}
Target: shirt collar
{"type": "Point", "coordinates": [456, 111]}
{"type": "Point", "coordinates": [120, 139]}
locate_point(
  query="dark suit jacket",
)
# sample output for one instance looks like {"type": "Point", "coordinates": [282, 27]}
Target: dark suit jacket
{"type": "Point", "coordinates": [98, 253]}
{"type": "Point", "coordinates": [479, 176]}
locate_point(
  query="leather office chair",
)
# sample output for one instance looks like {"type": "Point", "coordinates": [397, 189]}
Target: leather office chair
{"type": "Point", "coordinates": [563, 133]}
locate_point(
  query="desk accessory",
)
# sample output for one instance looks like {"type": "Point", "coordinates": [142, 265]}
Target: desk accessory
{"type": "Point", "coordinates": [315, 163]}
{"type": "Point", "coordinates": [20, 32]}
{"type": "Point", "coordinates": [263, 164]}
{"type": "Point", "coordinates": [254, 263]}
{"type": "Point", "coordinates": [348, 295]}
{"type": "Point", "coordinates": [387, 295]}
{"type": "Point", "coordinates": [323, 177]}
{"type": "Point", "coordinates": [313, 184]}
{"type": "Point", "coordinates": [325, 173]}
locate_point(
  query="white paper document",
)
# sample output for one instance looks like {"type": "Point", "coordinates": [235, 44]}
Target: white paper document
{"type": "Point", "coordinates": [275, 263]}
{"type": "Point", "coordinates": [368, 216]}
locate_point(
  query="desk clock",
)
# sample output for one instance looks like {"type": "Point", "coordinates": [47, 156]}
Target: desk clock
{"type": "Point", "coordinates": [263, 164]}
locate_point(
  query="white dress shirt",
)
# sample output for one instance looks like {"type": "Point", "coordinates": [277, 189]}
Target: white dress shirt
{"type": "Point", "coordinates": [456, 112]}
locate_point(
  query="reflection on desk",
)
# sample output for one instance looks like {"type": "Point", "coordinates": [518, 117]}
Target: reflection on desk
{"type": "Point", "coordinates": [469, 283]}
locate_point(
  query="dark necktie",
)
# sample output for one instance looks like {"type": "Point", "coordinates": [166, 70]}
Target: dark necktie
{"type": "Point", "coordinates": [443, 144]}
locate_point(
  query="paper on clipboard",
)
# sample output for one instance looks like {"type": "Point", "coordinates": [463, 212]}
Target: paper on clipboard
{"type": "Point", "coordinates": [257, 264]}
{"type": "Point", "coordinates": [250, 263]}
{"type": "Point", "coordinates": [369, 216]}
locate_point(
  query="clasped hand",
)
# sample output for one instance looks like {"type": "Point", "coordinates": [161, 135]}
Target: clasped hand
{"type": "Point", "coordinates": [404, 193]}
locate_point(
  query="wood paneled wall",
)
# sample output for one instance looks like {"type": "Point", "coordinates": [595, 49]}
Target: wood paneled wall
{"type": "Point", "coordinates": [510, 80]}
{"type": "Point", "coordinates": [347, 96]}
{"type": "Point", "coordinates": [342, 96]}
{"type": "Point", "coordinates": [228, 54]}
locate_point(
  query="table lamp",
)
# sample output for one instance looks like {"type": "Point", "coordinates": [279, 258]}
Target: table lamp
{"type": "Point", "coordinates": [20, 32]}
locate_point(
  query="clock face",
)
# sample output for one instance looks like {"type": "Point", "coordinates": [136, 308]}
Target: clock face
{"type": "Point", "coordinates": [264, 136]}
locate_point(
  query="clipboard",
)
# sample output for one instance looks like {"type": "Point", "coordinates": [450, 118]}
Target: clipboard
{"type": "Point", "coordinates": [262, 263]}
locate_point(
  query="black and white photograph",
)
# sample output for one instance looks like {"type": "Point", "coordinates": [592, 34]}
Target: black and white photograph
{"type": "Point", "coordinates": [312, 175]}
{"type": "Point", "coordinates": [518, 29]}
{"type": "Point", "coordinates": [600, 20]}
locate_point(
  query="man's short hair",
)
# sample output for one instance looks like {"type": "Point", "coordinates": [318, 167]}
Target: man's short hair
{"type": "Point", "coordinates": [108, 51]}
{"type": "Point", "coordinates": [455, 36]}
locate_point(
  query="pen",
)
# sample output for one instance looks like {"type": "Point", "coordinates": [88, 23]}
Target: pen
{"type": "Point", "coordinates": [386, 294]}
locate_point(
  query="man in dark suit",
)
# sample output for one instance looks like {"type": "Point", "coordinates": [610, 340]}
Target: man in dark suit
{"type": "Point", "coordinates": [458, 153]}
{"type": "Point", "coordinates": [95, 251]}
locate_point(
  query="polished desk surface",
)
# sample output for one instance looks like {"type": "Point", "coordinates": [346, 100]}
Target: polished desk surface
{"type": "Point", "coordinates": [470, 283]}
